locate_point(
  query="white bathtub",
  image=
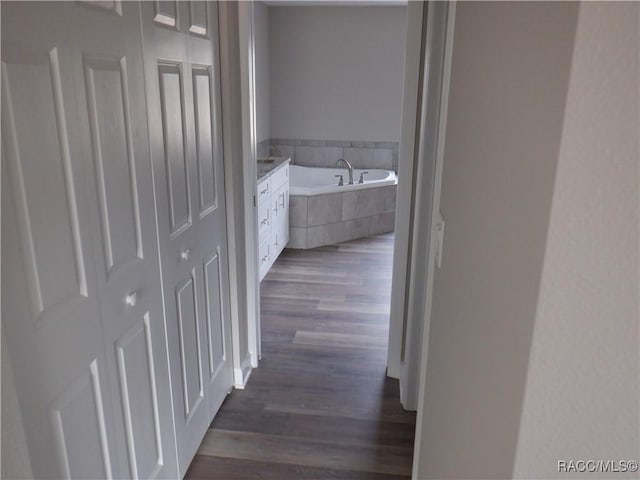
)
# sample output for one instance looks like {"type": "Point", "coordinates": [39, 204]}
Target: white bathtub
{"type": "Point", "coordinates": [322, 213]}
{"type": "Point", "coordinates": [308, 181]}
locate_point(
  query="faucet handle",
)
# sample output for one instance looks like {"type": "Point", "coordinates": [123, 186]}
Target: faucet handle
{"type": "Point", "coordinates": [341, 181]}
{"type": "Point", "coordinates": [362, 174]}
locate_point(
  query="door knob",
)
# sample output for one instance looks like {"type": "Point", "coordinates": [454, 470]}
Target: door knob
{"type": "Point", "coordinates": [131, 299]}
{"type": "Point", "coordinates": [185, 254]}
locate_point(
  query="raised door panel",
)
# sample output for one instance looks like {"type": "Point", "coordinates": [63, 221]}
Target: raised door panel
{"type": "Point", "coordinates": [166, 13]}
{"type": "Point", "coordinates": [138, 387]}
{"type": "Point", "coordinates": [175, 159]}
{"type": "Point", "coordinates": [190, 347]}
{"type": "Point", "coordinates": [198, 18]}
{"type": "Point", "coordinates": [112, 6]}
{"type": "Point", "coordinates": [204, 139]}
{"type": "Point", "coordinates": [113, 154]}
{"type": "Point", "coordinates": [79, 423]}
{"type": "Point", "coordinates": [35, 119]}
{"type": "Point", "coordinates": [215, 315]}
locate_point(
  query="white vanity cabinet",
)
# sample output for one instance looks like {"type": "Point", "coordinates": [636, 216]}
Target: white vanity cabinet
{"type": "Point", "coordinates": [273, 215]}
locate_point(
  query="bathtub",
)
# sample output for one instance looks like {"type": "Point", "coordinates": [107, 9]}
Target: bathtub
{"type": "Point", "coordinates": [323, 213]}
{"type": "Point", "coordinates": [314, 181]}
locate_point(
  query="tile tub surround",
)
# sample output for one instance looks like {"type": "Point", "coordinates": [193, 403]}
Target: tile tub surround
{"type": "Point", "coordinates": [324, 153]}
{"type": "Point", "coordinates": [324, 219]}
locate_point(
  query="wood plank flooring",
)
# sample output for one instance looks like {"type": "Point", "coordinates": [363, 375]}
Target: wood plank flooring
{"type": "Point", "coordinates": [319, 406]}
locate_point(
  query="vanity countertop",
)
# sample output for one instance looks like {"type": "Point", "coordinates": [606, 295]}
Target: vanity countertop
{"type": "Point", "coordinates": [269, 165]}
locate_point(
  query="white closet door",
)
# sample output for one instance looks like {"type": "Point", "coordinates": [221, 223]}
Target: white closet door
{"type": "Point", "coordinates": [80, 277]}
{"type": "Point", "coordinates": [210, 201]}
{"type": "Point", "coordinates": [109, 79]}
{"type": "Point", "coordinates": [50, 308]}
{"type": "Point", "coordinates": [181, 68]}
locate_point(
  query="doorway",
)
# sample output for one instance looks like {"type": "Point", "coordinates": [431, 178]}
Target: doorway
{"type": "Point", "coordinates": [328, 95]}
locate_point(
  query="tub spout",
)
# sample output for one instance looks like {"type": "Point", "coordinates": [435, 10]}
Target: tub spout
{"type": "Point", "coordinates": [349, 167]}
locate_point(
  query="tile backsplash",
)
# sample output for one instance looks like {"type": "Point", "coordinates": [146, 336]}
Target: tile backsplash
{"type": "Point", "coordinates": [324, 153]}
{"type": "Point", "coordinates": [263, 149]}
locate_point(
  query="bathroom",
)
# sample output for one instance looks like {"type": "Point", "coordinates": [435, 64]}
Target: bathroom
{"type": "Point", "coordinates": [328, 86]}
{"type": "Point", "coordinates": [329, 80]}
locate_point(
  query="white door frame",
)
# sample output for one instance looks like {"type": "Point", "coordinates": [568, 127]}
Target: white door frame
{"type": "Point", "coordinates": [425, 218]}
{"type": "Point", "coordinates": [405, 197]}
{"type": "Point", "coordinates": [434, 234]}
{"type": "Point", "coordinates": [429, 35]}
{"type": "Point", "coordinates": [408, 299]}
{"type": "Point", "coordinates": [249, 136]}
{"type": "Point", "coordinates": [238, 125]}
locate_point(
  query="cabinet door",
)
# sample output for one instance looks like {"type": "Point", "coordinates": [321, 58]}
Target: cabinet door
{"type": "Point", "coordinates": [80, 277]}
{"type": "Point", "coordinates": [284, 219]}
{"type": "Point", "coordinates": [181, 68]}
{"type": "Point", "coordinates": [264, 220]}
{"type": "Point", "coordinates": [280, 227]}
{"type": "Point", "coordinates": [264, 256]}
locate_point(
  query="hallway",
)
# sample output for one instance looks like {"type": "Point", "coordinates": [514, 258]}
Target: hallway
{"type": "Point", "coordinates": [319, 406]}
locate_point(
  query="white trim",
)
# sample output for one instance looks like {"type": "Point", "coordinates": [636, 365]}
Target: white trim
{"type": "Point", "coordinates": [444, 105]}
{"type": "Point", "coordinates": [248, 92]}
{"type": "Point", "coordinates": [226, 33]}
{"type": "Point", "coordinates": [243, 372]}
{"type": "Point", "coordinates": [424, 180]}
{"type": "Point", "coordinates": [239, 200]}
{"type": "Point", "coordinates": [405, 195]}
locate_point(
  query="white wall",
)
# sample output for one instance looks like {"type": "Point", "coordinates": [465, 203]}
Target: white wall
{"type": "Point", "coordinates": [336, 72]}
{"type": "Point", "coordinates": [582, 390]}
{"type": "Point", "coordinates": [509, 75]}
{"type": "Point", "coordinates": [533, 348]}
{"type": "Point", "coordinates": [261, 25]}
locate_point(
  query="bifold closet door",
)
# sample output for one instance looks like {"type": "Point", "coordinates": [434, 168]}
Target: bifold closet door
{"type": "Point", "coordinates": [82, 304]}
{"type": "Point", "coordinates": [182, 76]}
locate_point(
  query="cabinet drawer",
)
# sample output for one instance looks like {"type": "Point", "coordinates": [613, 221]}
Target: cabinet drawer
{"type": "Point", "coordinates": [264, 190]}
{"type": "Point", "coordinates": [264, 220]}
{"type": "Point", "coordinates": [280, 177]}
{"type": "Point", "coordinates": [264, 256]}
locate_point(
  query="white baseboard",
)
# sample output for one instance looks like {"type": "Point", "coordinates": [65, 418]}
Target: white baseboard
{"type": "Point", "coordinates": [241, 374]}
{"type": "Point", "coordinates": [393, 371]}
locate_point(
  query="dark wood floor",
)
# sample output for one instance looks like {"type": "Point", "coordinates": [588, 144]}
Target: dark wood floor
{"type": "Point", "coordinates": [319, 406]}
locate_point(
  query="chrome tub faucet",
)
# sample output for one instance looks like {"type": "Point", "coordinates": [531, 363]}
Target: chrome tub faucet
{"type": "Point", "coordinates": [349, 167]}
